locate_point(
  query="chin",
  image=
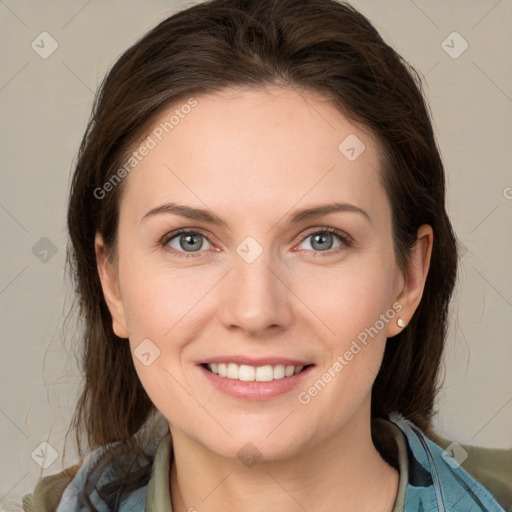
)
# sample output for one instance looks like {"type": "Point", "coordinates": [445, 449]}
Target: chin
{"type": "Point", "coordinates": [257, 446]}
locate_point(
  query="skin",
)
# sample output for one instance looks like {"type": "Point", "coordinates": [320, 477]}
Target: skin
{"type": "Point", "coordinates": [253, 157]}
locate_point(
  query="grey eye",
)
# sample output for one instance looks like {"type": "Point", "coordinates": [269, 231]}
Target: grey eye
{"type": "Point", "coordinates": [188, 242]}
{"type": "Point", "coordinates": [322, 241]}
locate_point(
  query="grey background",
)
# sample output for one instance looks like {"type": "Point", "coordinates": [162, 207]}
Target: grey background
{"type": "Point", "coordinates": [45, 106]}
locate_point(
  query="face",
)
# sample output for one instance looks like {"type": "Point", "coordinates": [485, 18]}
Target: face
{"type": "Point", "coordinates": [249, 282]}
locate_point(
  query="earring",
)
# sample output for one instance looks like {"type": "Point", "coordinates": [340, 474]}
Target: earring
{"type": "Point", "coordinates": [400, 322]}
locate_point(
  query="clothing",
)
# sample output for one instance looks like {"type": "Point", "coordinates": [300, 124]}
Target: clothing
{"type": "Point", "coordinates": [430, 480]}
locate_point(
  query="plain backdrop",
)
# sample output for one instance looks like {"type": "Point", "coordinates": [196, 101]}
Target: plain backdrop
{"type": "Point", "coordinates": [45, 104]}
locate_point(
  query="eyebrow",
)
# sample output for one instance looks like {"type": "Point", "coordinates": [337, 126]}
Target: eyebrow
{"type": "Point", "coordinates": [211, 218]}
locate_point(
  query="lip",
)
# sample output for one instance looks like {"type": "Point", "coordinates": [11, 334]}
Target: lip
{"type": "Point", "coordinates": [254, 390]}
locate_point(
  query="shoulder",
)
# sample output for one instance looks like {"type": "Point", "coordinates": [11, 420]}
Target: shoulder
{"type": "Point", "coordinates": [64, 491]}
{"type": "Point", "coordinates": [48, 491]}
{"type": "Point", "coordinates": [447, 476]}
{"type": "Point", "coordinates": [53, 492]}
{"type": "Point", "coordinates": [491, 467]}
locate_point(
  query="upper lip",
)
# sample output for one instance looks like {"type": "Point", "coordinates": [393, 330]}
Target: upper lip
{"type": "Point", "coordinates": [259, 361]}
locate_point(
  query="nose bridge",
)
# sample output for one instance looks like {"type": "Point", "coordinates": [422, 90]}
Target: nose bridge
{"type": "Point", "coordinates": [254, 297]}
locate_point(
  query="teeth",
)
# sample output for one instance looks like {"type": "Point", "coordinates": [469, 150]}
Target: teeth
{"type": "Point", "coordinates": [264, 373]}
{"type": "Point", "coordinates": [232, 371]}
{"type": "Point", "coordinates": [248, 373]}
{"type": "Point", "coordinates": [278, 371]}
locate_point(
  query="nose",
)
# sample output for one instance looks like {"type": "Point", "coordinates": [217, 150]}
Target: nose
{"type": "Point", "coordinates": [256, 297]}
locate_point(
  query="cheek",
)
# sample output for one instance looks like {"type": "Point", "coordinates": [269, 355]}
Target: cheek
{"type": "Point", "coordinates": [349, 302]}
{"type": "Point", "coordinates": [147, 305]}
{"type": "Point", "coordinates": [154, 307]}
{"type": "Point", "coordinates": [159, 299]}
{"type": "Point", "coordinates": [348, 299]}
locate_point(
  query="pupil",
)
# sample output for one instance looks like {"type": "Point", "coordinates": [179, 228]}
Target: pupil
{"type": "Point", "coordinates": [189, 244]}
{"type": "Point", "coordinates": [320, 237]}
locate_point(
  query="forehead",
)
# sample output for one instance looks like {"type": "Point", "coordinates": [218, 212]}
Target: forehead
{"type": "Point", "coordinates": [255, 149]}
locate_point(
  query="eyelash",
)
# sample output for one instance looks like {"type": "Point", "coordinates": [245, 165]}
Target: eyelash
{"type": "Point", "coordinates": [342, 237]}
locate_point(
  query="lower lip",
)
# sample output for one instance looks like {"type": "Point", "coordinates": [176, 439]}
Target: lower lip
{"type": "Point", "coordinates": [254, 390]}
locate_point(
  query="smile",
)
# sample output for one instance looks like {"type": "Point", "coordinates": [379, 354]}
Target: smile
{"type": "Point", "coordinates": [249, 373]}
{"type": "Point", "coordinates": [250, 378]}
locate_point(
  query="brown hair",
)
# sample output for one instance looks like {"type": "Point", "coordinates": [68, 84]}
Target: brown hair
{"type": "Point", "coordinates": [321, 46]}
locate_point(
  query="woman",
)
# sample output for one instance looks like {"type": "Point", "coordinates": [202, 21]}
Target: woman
{"type": "Point", "coordinates": [264, 264]}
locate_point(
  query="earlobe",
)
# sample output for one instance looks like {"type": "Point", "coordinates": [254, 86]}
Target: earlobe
{"type": "Point", "coordinates": [110, 286]}
{"type": "Point", "coordinates": [414, 277]}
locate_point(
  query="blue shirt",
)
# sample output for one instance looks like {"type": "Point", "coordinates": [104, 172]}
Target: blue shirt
{"type": "Point", "coordinates": [431, 479]}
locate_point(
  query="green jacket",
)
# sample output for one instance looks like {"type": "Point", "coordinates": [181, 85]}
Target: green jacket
{"type": "Point", "coordinates": [430, 479]}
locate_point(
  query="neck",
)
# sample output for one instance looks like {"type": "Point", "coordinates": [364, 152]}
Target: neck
{"type": "Point", "coordinates": [344, 472]}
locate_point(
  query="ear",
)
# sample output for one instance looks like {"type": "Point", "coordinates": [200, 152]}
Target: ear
{"type": "Point", "coordinates": [110, 285]}
{"type": "Point", "coordinates": [414, 279]}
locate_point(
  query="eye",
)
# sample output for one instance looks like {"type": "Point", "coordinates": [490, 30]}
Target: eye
{"type": "Point", "coordinates": [185, 241]}
{"type": "Point", "coordinates": [188, 243]}
{"type": "Point", "coordinates": [324, 239]}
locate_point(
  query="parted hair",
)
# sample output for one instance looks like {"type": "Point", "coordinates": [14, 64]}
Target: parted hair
{"type": "Point", "coordinates": [324, 47]}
